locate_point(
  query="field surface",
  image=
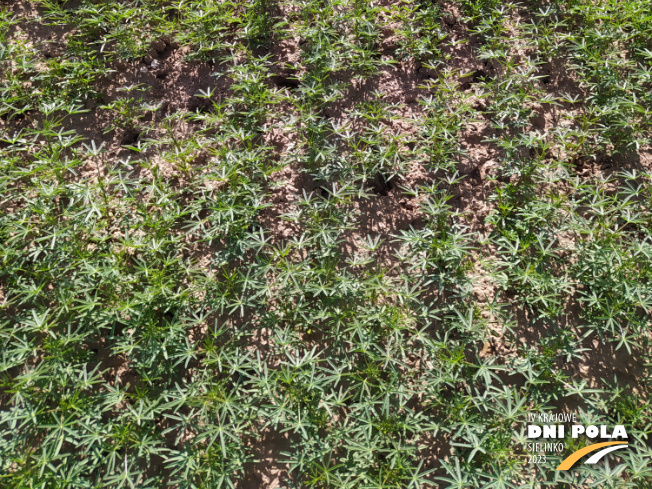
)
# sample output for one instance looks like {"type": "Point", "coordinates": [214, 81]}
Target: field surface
{"type": "Point", "coordinates": [322, 243]}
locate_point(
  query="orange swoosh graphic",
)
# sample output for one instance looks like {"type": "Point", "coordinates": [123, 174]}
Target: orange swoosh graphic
{"type": "Point", "coordinates": [574, 457]}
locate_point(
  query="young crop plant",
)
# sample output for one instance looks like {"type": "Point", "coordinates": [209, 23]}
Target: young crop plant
{"type": "Point", "coordinates": [421, 32]}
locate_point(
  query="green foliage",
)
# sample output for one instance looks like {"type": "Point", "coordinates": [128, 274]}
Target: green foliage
{"type": "Point", "coordinates": [284, 268]}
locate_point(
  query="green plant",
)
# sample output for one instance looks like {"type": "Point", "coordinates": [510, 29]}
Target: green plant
{"type": "Point", "coordinates": [316, 241]}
